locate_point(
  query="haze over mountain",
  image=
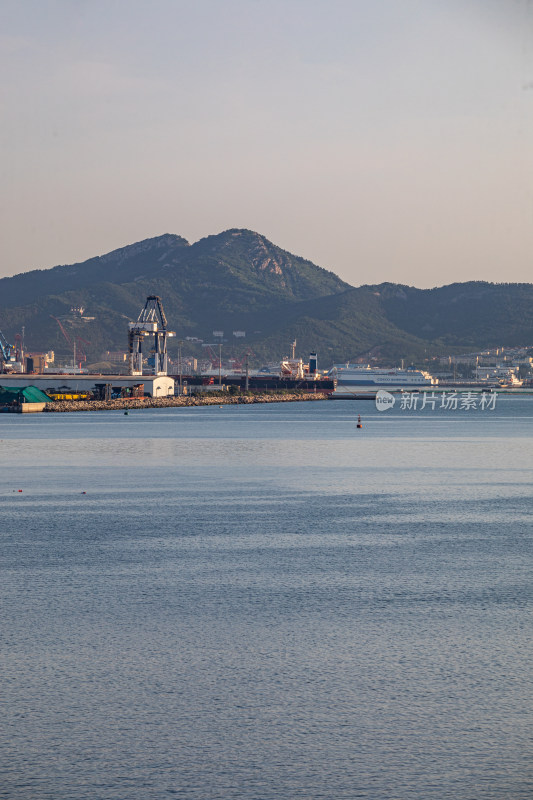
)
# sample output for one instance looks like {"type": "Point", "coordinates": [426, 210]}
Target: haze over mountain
{"type": "Point", "coordinates": [239, 281]}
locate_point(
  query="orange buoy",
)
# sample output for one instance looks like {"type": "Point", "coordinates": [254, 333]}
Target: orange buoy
{"type": "Point", "coordinates": [359, 423]}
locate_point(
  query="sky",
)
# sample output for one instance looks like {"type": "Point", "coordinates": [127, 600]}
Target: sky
{"type": "Point", "coordinates": [389, 140]}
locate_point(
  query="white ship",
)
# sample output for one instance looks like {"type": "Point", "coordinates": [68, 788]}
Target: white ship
{"type": "Point", "coordinates": [357, 375]}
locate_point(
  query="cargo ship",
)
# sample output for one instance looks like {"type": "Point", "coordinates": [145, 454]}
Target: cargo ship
{"type": "Point", "coordinates": [357, 375]}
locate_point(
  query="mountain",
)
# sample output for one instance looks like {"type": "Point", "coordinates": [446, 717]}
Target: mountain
{"type": "Point", "coordinates": [473, 314]}
{"type": "Point", "coordinates": [120, 266]}
{"type": "Point", "coordinates": [238, 280]}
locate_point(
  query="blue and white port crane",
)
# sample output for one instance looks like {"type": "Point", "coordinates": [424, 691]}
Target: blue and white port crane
{"type": "Point", "coordinates": [151, 322]}
{"type": "Point", "coordinates": [7, 352]}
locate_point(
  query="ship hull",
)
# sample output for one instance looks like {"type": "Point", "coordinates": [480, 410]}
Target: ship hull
{"type": "Point", "coordinates": [380, 378]}
{"type": "Point", "coordinates": [381, 383]}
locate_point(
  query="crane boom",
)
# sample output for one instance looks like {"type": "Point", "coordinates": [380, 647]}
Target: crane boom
{"type": "Point", "coordinates": [75, 342]}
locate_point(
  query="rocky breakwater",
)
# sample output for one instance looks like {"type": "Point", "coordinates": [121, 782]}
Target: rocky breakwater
{"type": "Point", "coordinates": [125, 404]}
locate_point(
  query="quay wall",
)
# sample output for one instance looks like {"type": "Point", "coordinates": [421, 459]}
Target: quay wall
{"type": "Point", "coordinates": [176, 402]}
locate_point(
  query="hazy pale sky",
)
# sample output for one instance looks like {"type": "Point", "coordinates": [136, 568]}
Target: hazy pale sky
{"type": "Point", "coordinates": [384, 140]}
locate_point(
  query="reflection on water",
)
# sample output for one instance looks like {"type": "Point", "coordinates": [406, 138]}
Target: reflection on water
{"type": "Point", "coordinates": [265, 602]}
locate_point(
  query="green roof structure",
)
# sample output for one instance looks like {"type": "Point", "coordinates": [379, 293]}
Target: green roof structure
{"type": "Point", "coordinates": [22, 394]}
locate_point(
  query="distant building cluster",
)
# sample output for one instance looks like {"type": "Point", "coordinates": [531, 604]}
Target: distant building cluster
{"type": "Point", "coordinates": [515, 356]}
{"type": "Point", "coordinates": [509, 365]}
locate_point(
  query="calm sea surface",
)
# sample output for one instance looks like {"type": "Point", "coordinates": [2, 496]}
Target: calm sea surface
{"type": "Point", "coordinates": [266, 603]}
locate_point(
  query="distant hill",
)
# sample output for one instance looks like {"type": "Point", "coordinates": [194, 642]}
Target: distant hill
{"type": "Point", "coordinates": [238, 280]}
{"type": "Point", "coordinates": [473, 314]}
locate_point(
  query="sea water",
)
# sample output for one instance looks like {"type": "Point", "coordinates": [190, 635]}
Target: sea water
{"type": "Point", "coordinates": [259, 602]}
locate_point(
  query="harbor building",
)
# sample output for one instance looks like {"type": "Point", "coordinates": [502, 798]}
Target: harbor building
{"type": "Point", "coordinates": [79, 383]}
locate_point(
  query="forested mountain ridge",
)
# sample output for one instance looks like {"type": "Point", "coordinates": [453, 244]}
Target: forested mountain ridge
{"type": "Point", "coordinates": [239, 280]}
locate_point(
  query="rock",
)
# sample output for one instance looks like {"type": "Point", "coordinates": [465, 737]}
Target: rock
{"type": "Point", "coordinates": [175, 402]}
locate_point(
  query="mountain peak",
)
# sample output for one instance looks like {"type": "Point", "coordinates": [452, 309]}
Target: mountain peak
{"type": "Point", "coordinates": [251, 252]}
{"type": "Point", "coordinates": [166, 240]}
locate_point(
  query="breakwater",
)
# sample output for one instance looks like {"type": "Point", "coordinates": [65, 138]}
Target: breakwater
{"type": "Point", "coordinates": [176, 402]}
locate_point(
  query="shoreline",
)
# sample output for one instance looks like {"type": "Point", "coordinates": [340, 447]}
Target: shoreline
{"type": "Point", "coordinates": [127, 403]}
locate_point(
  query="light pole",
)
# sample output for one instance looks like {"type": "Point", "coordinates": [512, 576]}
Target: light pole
{"type": "Point", "coordinates": [220, 363]}
{"type": "Point", "coordinates": [180, 343]}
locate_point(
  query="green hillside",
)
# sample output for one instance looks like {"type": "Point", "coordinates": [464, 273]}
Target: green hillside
{"type": "Point", "coordinates": [238, 280]}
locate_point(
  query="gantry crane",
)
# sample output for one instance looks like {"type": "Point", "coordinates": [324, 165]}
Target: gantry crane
{"type": "Point", "coordinates": [151, 322]}
{"type": "Point", "coordinates": [7, 352]}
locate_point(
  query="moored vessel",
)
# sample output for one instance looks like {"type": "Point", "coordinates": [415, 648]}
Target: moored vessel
{"type": "Point", "coordinates": [358, 375]}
